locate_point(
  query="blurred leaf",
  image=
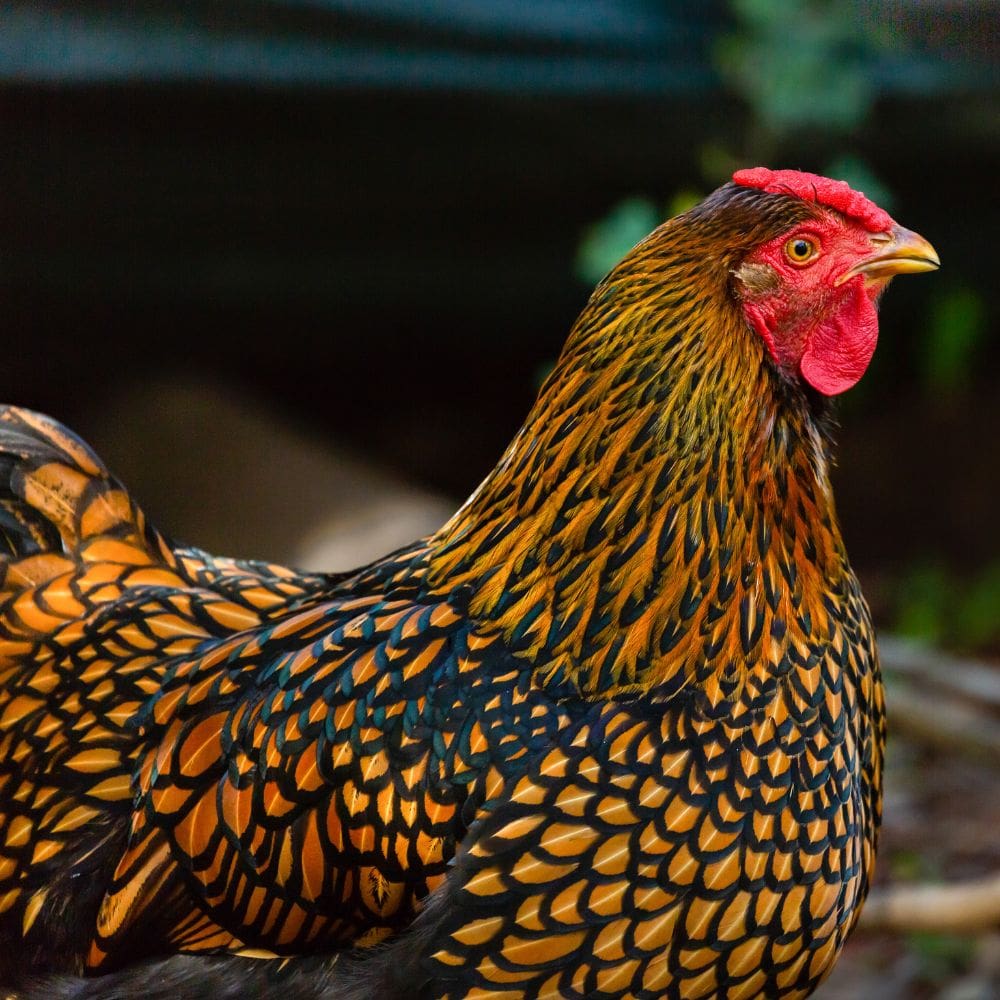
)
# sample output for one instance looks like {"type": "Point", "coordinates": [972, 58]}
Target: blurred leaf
{"type": "Point", "coordinates": [978, 617]}
{"type": "Point", "coordinates": [942, 955]}
{"type": "Point", "coordinates": [910, 866]}
{"type": "Point", "coordinates": [718, 163]}
{"type": "Point", "coordinates": [683, 200]}
{"type": "Point", "coordinates": [607, 241]}
{"type": "Point", "coordinates": [801, 62]}
{"type": "Point", "coordinates": [923, 603]}
{"type": "Point", "coordinates": [956, 328]}
{"type": "Point", "coordinates": [943, 608]}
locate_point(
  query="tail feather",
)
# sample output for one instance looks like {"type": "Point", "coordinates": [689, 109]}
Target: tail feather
{"type": "Point", "coordinates": [59, 505]}
{"type": "Point", "coordinates": [94, 607]}
{"type": "Point", "coordinates": [69, 535]}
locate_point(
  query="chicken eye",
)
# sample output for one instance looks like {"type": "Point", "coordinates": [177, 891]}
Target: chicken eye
{"type": "Point", "coordinates": [800, 250]}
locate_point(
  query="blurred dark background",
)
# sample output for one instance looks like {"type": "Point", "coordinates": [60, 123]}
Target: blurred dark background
{"type": "Point", "coordinates": [295, 267]}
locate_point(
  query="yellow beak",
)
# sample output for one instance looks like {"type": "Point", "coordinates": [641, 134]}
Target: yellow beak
{"type": "Point", "coordinates": [899, 252]}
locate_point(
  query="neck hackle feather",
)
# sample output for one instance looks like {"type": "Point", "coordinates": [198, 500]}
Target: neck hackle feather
{"type": "Point", "coordinates": [651, 523]}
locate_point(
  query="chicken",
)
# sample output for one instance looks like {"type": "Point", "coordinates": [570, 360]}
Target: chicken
{"type": "Point", "coordinates": [615, 730]}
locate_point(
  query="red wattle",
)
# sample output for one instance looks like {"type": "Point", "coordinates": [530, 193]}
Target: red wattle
{"type": "Point", "coordinates": [840, 348]}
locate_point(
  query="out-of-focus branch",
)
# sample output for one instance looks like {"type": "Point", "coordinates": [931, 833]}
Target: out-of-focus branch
{"type": "Point", "coordinates": [961, 907]}
{"type": "Point", "coordinates": [942, 722]}
{"type": "Point", "coordinates": [942, 700]}
{"type": "Point", "coordinates": [967, 677]}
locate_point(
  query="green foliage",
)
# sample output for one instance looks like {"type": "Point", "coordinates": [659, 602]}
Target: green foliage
{"type": "Point", "coordinates": [943, 608]}
{"type": "Point", "coordinates": [608, 240]}
{"type": "Point", "coordinates": [956, 328]}
{"type": "Point", "coordinates": [683, 200]}
{"type": "Point", "coordinates": [797, 63]}
{"type": "Point", "coordinates": [924, 596]}
{"type": "Point", "coordinates": [977, 621]}
{"type": "Point", "coordinates": [911, 866]}
{"type": "Point", "coordinates": [801, 63]}
{"type": "Point", "coordinates": [941, 956]}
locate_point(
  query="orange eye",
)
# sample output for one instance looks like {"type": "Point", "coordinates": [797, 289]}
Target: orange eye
{"type": "Point", "coordinates": [800, 250]}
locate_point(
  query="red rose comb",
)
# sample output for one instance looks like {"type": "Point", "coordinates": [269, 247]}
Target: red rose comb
{"type": "Point", "coordinates": [837, 195]}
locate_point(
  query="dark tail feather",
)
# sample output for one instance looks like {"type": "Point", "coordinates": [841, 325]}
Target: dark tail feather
{"type": "Point", "coordinates": [57, 500]}
{"type": "Point", "coordinates": [191, 977]}
{"type": "Point", "coordinates": [69, 538]}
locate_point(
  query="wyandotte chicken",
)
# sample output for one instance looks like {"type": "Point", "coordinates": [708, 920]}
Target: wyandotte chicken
{"type": "Point", "coordinates": [615, 730]}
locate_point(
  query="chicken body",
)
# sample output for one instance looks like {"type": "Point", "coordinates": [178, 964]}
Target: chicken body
{"type": "Point", "coordinates": [615, 730]}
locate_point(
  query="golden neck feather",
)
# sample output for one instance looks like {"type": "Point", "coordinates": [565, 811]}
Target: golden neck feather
{"type": "Point", "coordinates": [652, 515]}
